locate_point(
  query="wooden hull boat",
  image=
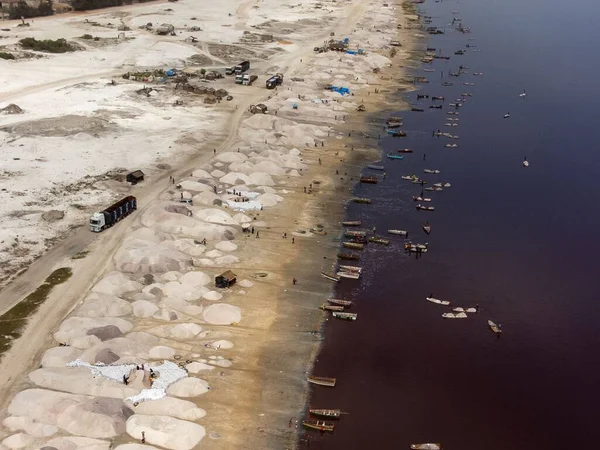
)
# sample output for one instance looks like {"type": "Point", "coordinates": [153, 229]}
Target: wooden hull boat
{"type": "Point", "coordinates": [425, 208]}
{"type": "Point", "coordinates": [395, 156]}
{"type": "Point", "coordinates": [348, 256]}
{"type": "Point", "coordinates": [427, 446]}
{"type": "Point", "coordinates": [396, 133]}
{"type": "Point", "coordinates": [327, 413]}
{"type": "Point", "coordinates": [352, 223]}
{"type": "Point", "coordinates": [345, 316]}
{"type": "Point", "coordinates": [468, 310]}
{"type": "Point", "coordinates": [330, 277]}
{"type": "Point", "coordinates": [435, 171]}
{"type": "Point", "coordinates": [354, 269]}
{"type": "Point", "coordinates": [317, 425]}
{"type": "Point", "coordinates": [394, 120]}
{"type": "Point", "coordinates": [495, 328]}
{"type": "Point", "coordinates": [337, 301]}
{"type": "Point", "coordinates": [355, 233]}
{"type": "Point", "coordinates": [437, 301]}
{"type": "Point", "coordinates": [326, 307]}
{"type": "Point", "coordinates": [375, 167]}
{"type": "Point", "coordinates": [362, 200]}
{"type": "Point", "coordinates": [421, 199]}
{"type": "Point", "coordinates": [354, 245]}
{"type": "Point", "coordinates": [418, 181]}
{"type": "Point", "coordinates": [427, 228]}
{"type": "Point", "coordinates": [349, 275]}
{"type": "Point", "coordinates": [405, 150]}
{"type": "Point", "coordinates": [321, 381]}
{"type": "Point", "coordinates": [409, 177]}
{"type": "Point", "coordinates": [435, 106]}
{"type": "Point", "coordinates": [370, 180]}
{"type": "Point", "coordinates": [378, 240]}
{"type": "Point", "coordinates": [460, 315]}
{"type": "Point", "coordinates": [399, 232]}
{"type": "Point", "coordinates": [415, 109]}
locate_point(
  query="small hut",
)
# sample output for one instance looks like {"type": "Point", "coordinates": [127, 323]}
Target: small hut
{"type": "Point", "coordinates": [225, 280]}
{"type": "Point", "coordinates": [135, 177]}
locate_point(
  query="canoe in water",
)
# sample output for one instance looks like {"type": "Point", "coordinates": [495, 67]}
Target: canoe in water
{"type": "Point", "coordinates": [495, 328]}
{"type": "Point", "coordinates": [427, 446]}
{"type": "Point", "coordinates": [438, 301]}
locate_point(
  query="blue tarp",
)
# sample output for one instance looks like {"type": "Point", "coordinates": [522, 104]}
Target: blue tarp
{"type": "Point", "coordinates": [171, 72]}
{"type": "Point", "coordinates": [341, 90]}
{"type": "Point", "coordinates": [346, 40]}
{"type": "Point", "coordinates": [351, 52]}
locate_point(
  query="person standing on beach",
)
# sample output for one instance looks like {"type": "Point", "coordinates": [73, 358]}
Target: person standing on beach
{"type": "Point", "coordinates": [294, 281]}
{"type": "Point", "coordinates": [293, 239]}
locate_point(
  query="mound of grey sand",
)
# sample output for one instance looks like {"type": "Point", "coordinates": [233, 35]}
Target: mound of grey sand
{"type": "Point", "coordinates": [32, 427]}
{"type": "Point", "coordinates": [241, 218]}
{"type": "Point", "coordinates": [161, 352]}
{"type": "Point", "coordinates": [207, 199]}
{"type": "Point", "coordinates": [201, 173]}
{"type": "Point", "coordinates": [188, 246]}
{"type": "Point", "coordinates": [75, 442]}
{"type": "Point", "coordinates": [222, 314]}
{"type": "Point", "coordinates": [18, 440]}
{"type": "Point", "coordinates": [213, 254]}
{"type": "Point", "coordinates": [183, 226]}
{"type": "Point", "coordinates": [212, 215]}
{"type": "Point", "coordinates": [246, 283]}
{"type": "Point", "coordinates": [53, 215]}
{"type": "Point", "coordinates": [103, 305]}
{"type": "Point", "coordinates": [79, 380]}
{"type": "Point", "coordinates": [196, 278]}
{"type": "Point", "coordinates": [60, 356]}
{"type": "Point", "coordinates": [269, 199]}
{"type": "Point", "coordinates": [144, 308]}
{"type": "Point", "coordinates": [226, 260]}
{"type": "Point", "coordinates": [222, 344]}
{"type": "Point", "coordinates": [164, 431]}
{"type": "Point", "coordinates": [123, 347]}
{"type": "Point", "coordinates": [185, 331]}
{"type": "Point", "coordinates": [139, 256]}
{"type": "Point", "coordinates": [80, 415]}
{"type": "Point", "coordinates": [188, 387]}
{"type": "Point", "coordinates": [197, 367]}
{"type": "Point", "coordinates": [106, 356]}
{"type": "Point", "coordinates": [217, 173]}
{"type": "Point", "coordinates": [166, 314]}
{"type": "Point", "coordinates": [105, 333]}
{"type": "Point", "coordinates": [174, 407]}
{"type": "Point", "coordinates": [116, 283]}
{"type": "Point", "coordinates": [74, 330]}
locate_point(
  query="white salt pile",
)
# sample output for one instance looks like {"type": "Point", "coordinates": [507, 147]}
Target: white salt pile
{"type": "Point", "coordinates": [222, 314]}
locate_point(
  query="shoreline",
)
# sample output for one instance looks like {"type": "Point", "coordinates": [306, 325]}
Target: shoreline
{"type": "Point", "coordinates": [266, 330]}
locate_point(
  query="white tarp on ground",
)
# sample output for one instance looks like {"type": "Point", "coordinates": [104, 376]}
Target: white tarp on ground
{"type": "Point", "coordinates": [168, 373]}
{"type": "Point", "coordinates": [251, 205]}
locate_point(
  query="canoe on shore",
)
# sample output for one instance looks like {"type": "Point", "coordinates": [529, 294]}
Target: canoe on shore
{"type": "Point", "coordinates": [369, 180]}
{"type": "Point", "coordinates": [362, 200]}
{"type": "Point", "coordinates": [337, 301]}
{"type": "Point", "coordinates": [399, 232]}
{"type": "Point", "coordinates": [317, 425]}
{"type": "Point", "coordinates": [352, 223]}
{"type": "Point", "coordinates": [427, 446]}
{"type": "Point", "coordinates": [330, 277]}
{"type": "Point", "coordinates": [348, 256]}
{"type": "Point", "coordinates": [328, 413]}
{"type": "Point", "coordinates": [326, 307]}
{"type": "Point", "coordinates": [378, 240]}
{"type": "Point", "coordinates": [495, 328]}
{"type": "Point", "coordinates": [321, 381]}
{"type": "Point", "coordinates": [355, 233]}
{"type": "Point", "coordinates": [349, 275]}
{"type": "Point", "coordinates": [353, 245]}
{"type": "Point", "coordinates": [345, 316]}
{"type": "Point", "coordinates": [437, 301]}
{"type": "Point", "coordinates": [355, 269]}
{"type": "Point", "coordinates": [396, 132]}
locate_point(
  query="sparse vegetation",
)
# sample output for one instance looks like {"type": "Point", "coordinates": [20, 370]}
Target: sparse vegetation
{"type": "Point", "coordinates": [14, 320]}
{"type": "Point", "coordinates": [22, 9]}
{"type": "Point", "coordinates": [47, 45]}
{"type": "Point", "coordinates": [82, 254]}
{"type": "Point", "coordinates": [5, 55]}
{"type": "Point", "coordinates": [87, 36]}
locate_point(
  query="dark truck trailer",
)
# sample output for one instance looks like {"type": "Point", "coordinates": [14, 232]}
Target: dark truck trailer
{"type": "Point", "coordinates": [111, 215]}
{"type": "Point", "coordinates": [274, 81]}
{"type": "Point", "coordinates": [135, 177]}
{"type": "Point", "coordinates": [242, 67]}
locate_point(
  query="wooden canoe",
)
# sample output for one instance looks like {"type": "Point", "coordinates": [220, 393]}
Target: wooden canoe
{"type": "Point", "coordinates": [375, 167]}
{"type": "Point", "coordinates": [362, 200]}
{"type": "Point", "coordinates": [321, 381]}
{"type": "Point", "coordinates": [326, 307]}
{"type": "Point", "coordinates": [351, 223]}
{"type": "Point", "coordinates": [353, 245]}
{"type": "Point", "coordinates": [405, 150]}
{"type": "Point", "coordinates": [348, 256]}
{"type": "Point", "coordinates": [495, 328]}
{"type": "Point", "coordinates": [369, 180]}
{"type": "Point", "coordinates": [327, 413]}
{"type": "Point", "coordinates": [355, 269]}
{"type": "Point", "coordinates": [345, 316]}
{"type": "Point", "coordinates": [330, 277]}
{"type": "Point", "coordinates": [336, 301]}
{"type": "Point", "coordinates": [399, 232]}
{"type": "Point", "coordinates": [378, 240]}
{"type": "Point", "coordinates": [355, 233]}
{"type": "Point", "coordinates": [318, 425]}
{"type": "Point", "coordinates": [426, 446]}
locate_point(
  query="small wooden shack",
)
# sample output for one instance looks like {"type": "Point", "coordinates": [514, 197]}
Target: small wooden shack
{"type": "Point", "coordinates": [225, 280]}
{"type": "Point", "coordinates": [135, 177]}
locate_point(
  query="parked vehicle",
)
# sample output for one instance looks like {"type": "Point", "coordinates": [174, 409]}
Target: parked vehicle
{"type": "Point", "coordinates": [114, 213]}
{"type": "Point", "coordinates": [274, 81]}
{"type": "Point", "coordinates": [242, 67]}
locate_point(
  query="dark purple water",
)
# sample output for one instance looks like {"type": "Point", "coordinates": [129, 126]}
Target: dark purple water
{"type": "Point", "coordinates": [523, 243]}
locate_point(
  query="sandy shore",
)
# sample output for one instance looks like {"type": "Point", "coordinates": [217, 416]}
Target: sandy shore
{"type": "Point", "coordinates": [228, 365]}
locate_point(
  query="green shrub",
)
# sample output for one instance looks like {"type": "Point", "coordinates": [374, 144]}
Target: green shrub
{"type": "Point", "coordinates": [4, 55]}
{"type": "Point", "coordinates": [48, 45]}
{"type": "Point", "coordinates": [84, 5]}
{"type": "Point", "coordinates": [87, 36]}
{"type": "Point", "coordinates": [22, 9]}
